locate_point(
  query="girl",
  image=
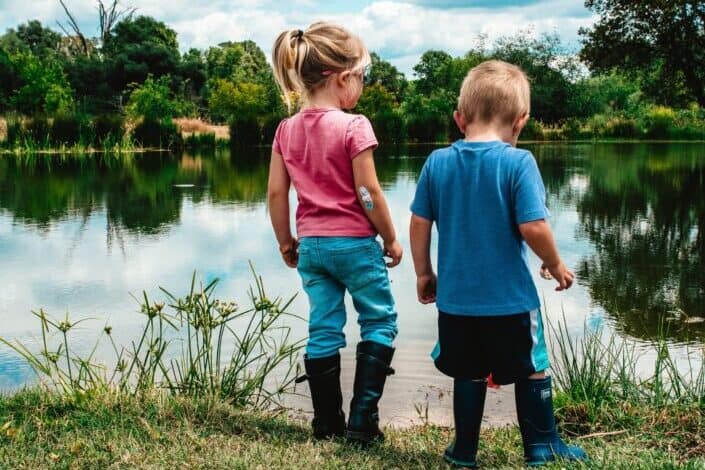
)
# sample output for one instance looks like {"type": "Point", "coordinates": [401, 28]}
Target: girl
{"type": "Point", "coordinates": [327, 154]}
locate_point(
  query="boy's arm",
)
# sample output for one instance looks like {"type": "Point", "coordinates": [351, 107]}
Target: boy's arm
{"type": "Point", "coordinates": [539, 237]}
{"type": "Point", "coordinates": [420, 238]}
{"type": "Point", "coordinates": [369, 193]}
{"type": "Point", "coordinates": [278, 200]}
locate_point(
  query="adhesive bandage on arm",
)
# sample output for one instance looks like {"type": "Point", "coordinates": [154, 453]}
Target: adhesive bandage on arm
{"type": "Point", "coordinates": [366, 198]}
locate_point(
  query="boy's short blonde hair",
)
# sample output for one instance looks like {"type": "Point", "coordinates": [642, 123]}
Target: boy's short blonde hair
{"type": "Point", "coordinates": [494, 91]}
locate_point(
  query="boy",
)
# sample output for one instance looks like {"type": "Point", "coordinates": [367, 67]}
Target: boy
{"type": "Point", "coordinates": [487, 198]}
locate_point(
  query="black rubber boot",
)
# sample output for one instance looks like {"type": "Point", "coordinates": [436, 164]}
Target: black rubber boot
{"type": "Point", "coordinates": [372, 369]}
{"type": "Point", "coordinates": [537, 424]}
{"type": "Point", "coordinates": [323, 375]}
{"type": "Point", "coordinates": [468, 405]}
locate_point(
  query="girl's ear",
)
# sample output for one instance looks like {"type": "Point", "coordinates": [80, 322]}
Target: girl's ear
{"type": "Point", "coordinates": [343, 77]}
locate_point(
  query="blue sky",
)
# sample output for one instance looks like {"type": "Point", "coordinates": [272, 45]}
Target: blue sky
{"type": "Point", "coordinates": [399, 30]}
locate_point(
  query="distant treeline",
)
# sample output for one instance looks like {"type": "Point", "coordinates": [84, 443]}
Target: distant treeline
{"type": "Point", "coordinates": [131, 81]}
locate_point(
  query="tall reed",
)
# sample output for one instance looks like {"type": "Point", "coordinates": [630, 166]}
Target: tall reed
{"type": "Point", "coordinates": [193, 345]}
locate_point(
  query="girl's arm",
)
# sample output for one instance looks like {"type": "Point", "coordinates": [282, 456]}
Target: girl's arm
{"type": "Point", "coordinates": [369, 193]}
{"type": "Point", "coordinates": [278, 200]}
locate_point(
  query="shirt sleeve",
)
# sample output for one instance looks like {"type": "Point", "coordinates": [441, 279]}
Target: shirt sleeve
{"type": "Point", "coordinates": [276, 146]}
{"type": "Point", "coordinates": [529, 192]}
{"type": "Point", "coordinates": [359, 136]}
{"type": "Point", "coordinates": [422, 205]}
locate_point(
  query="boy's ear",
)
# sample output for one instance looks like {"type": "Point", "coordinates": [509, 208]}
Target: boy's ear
{"type": "Point", "coordinates": [520, 123]}
{"type": "Point", "coordinates": [460, 121]}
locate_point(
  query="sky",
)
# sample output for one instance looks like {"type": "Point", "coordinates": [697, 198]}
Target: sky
{"type": "Point", "coordinates": [400, 30]}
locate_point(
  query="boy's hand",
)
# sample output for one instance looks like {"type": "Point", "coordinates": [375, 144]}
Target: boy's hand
{"type": "Point", "coordinates": [290, 253]}
{"type": "Point", "coordinates": [426, 288]}
{"type": "Point", "coordinates": [395, 251]}
{"type": "Point", "coordinates": [563, 276]}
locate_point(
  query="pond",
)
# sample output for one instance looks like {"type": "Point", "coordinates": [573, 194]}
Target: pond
{"type": "Point", "coordinates": [85, 235]}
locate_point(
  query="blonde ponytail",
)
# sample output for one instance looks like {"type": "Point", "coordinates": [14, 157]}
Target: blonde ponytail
{"type": "Point", "coordinates": [303, 60]}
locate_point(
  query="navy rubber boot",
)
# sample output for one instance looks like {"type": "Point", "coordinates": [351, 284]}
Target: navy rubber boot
{"type": "Point", "coordinates": [371, 371]}
{"type": "Point", "coordinates": [468, 405]}
{"type": "Point", "coordinates": [542, 444]}
{"type": "Point", "coordinates": [323, 375]}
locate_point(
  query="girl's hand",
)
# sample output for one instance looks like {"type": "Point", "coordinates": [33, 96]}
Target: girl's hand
{"type": "Point", "coordinates": [426, 288]}
{"type": "Point", "coordinates": [290, 253]}
{"type": "Point", "coordinates": [395, 251]}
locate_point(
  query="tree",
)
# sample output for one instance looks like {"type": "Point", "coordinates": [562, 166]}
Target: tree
{"type": "Point", "coordinates": [385, 74]}
{"type": "Point", "coordinates": [139, 47]}
{"type": "Point", "coordinates": [540, 58]}
{"type": "Point", "coordinates": [243, 101]}
{"type": "Point", "coordinates": [639, 35]}
{"type": "Point", "coordinates": [433, 71]}
{"type": "Point", "coordinates": [42, 86]}
{"type": "Point", "coordinates": [153, 101]}
{"type": "Point", "coordinates": [32, 37]}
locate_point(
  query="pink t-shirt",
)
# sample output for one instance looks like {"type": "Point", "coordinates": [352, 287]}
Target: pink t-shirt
{"type": "Point", "coordinates": [318, 146]}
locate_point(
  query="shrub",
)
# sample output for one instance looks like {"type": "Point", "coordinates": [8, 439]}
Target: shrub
{"type": "Point", "coordinates": [37, 130]}
{"type": "Point", "coordinates": [67, 129]}
{"type": "Point", "coordinates": [659, 122]}
{"type": "Point", "coordinates": [154, 134]}
{"type": "Point", "coordinates": [533, 130]}
{"type": "Point", "coordinates": [200, 142]}
{"type": "Point", "coordinates": [269, 127]}
{"type": "Point", "coordinates": [389, 126]}
{"type": "Point", "coordinates": [107, 127]}
{"type": "Point", "coordinates": [13, 131]}
{"type": "Point", "coordinates": [621, 127]}
{"type": "Point", "coordinates": [573, 129]}
{"type": "Point", "coordinates": [245, 131]}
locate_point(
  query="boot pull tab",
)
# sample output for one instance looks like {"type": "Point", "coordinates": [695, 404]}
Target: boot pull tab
{"type": "Point", "coordinates": [301, 379]}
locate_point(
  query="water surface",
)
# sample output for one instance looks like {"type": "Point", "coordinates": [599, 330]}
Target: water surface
{"type": "Point", "coordinates": [82, 235]}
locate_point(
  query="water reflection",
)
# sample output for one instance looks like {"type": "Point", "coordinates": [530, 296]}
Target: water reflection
{"type": "Point", "coordinates": [630, 218]}
{"type": "Point", "coordinates": [644, 212]}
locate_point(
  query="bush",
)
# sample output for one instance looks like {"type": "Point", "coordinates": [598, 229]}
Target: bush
{"type": "Point", "coordinates": [389, 126]}
{"type": "Point", "coordinates": [533, 130]}
{"type": "Point", "coordinates": [37, 130]}
{"type": "Point", "coordinates": [200, 142]}
{"type": "Point", "coordinates": [621, 127]}
{"type": "Point", "coordinates": [67, 129]}
{"type": "Point", "coordinates": [14, 131]}
{"type": "Point", "coordinates": [269, 128]}
{"type": "Point", "coordinates": [573, 129]}
{"type": "Point", "coordinates": [245, 131]}
{"type": "Point", "coordinates": [659, 122]}
{"type": "Point", "coordinates": [154, 134]}
{"type": "Point", "coordinates": [107, 127]}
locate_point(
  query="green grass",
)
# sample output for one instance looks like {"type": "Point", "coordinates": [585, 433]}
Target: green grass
{"type": "Point", "coordinates": [40, 430]}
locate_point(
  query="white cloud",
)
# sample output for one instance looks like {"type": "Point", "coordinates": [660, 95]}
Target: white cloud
{"type": "Point", "coordinates": [399, 30]}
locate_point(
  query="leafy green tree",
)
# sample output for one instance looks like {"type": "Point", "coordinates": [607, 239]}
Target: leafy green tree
{"type": "Point", "coordinates": [388, 76]}
{"type": "Point", "coordinates": [544, 62]}
{"type": "Point", "coordinates": [139, 47]}
{"type": "Point", "coordinates": [432, 71]}
{"type": "Point", "coordinates": [9, 79]}
{"type": "Point", "coordinates": [641, 35]}
{"type": "Point", "coordinates": [153, 101]}
{"type": "Point", "coordinates": [32, 37]}
{"type": "Point", "coordinates": [243, 100]}
{"type": "Point", "coordinates": [43, 87]}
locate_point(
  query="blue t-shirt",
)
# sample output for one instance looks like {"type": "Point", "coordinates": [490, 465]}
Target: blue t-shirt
{"type": "Point", "coordinates": [478, 193]}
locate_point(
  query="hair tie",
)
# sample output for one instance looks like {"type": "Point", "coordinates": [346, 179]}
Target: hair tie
{"type": "Point", "coordinates": [299, 34]}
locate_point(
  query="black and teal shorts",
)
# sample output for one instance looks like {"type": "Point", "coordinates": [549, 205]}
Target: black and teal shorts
{"type": "Point", "coordinates": [510, 347]}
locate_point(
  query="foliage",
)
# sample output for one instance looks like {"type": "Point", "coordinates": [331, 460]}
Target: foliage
{"type": "Point", "coordinates": [140, 47]}
{"type": "Point", "coordinates": [643, 35]}
{"type": "Point", "coordinates": [182, 349]}
{"type": "Point", "coordinates": [42, 87]}
{"type": "Point", "coordinates": [241, 101]}
{"type": "Point", "coordinates": [152, 101]}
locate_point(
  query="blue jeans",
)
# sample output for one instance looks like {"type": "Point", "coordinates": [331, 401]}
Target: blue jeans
{"type": "Point", "coordinates": [330, 265]}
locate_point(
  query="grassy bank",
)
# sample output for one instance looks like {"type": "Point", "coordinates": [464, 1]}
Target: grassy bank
{"type": "Point", "coordinates": [155, 431]}
{"type": "Point", "coordinates": [175, 397]}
